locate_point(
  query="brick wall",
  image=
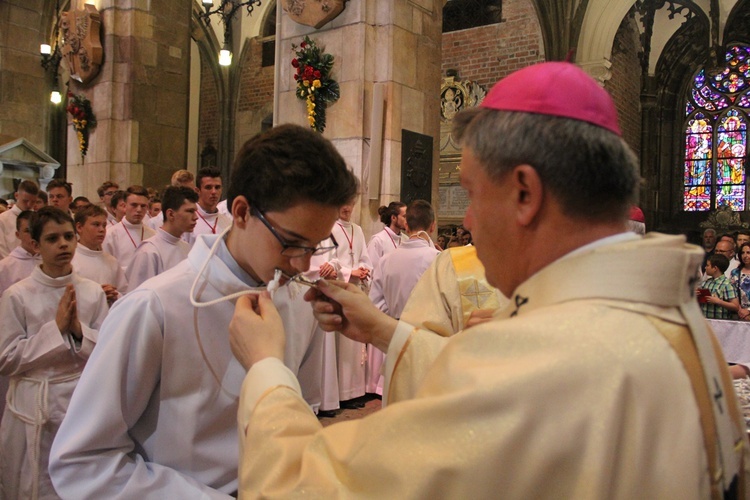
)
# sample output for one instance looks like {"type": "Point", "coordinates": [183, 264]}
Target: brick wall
{"type": "Point", "coordinates": [256, 82]}
{"type": "Point", "coordinates": [625, 84]}
{"type": "Point", "coordinates": [488, 53]}
{"type": "Point", "coordinates": [208, 127]}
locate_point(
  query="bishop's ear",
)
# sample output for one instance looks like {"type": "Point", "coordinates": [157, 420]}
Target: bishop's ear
{"type": "Point", "coordinates": [529, 193]}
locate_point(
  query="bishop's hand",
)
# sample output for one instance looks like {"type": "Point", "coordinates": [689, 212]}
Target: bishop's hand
{"type": "Point", "coordinates": [344, 307]}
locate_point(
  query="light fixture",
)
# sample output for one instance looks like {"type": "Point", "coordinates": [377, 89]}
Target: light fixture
{"type": "Point", "coordinates": [225, 57]}
{"type": "Point", "coordinates": [226, 10]}
{"type": "Point", "coordinates": [52, 55]}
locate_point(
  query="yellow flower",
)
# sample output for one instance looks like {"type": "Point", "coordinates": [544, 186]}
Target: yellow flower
{"type": "Point", "coordinates": [311, 120]}
{"type": "Point", "coordinates": [316, 84]}
{"type": "Point", "coordinates": [305, 83]}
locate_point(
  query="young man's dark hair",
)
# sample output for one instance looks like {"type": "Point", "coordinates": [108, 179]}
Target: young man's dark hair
{"type": "Point", "coordinates": [392, 210]}
{"type": "Point", "coordinates": [117, 198]}
{"type": "Point", "coordinates": [419, 215]}
{"type": "Point", "coordinates": [719, 260]}
{"type": "Point", "coordinates": [28, 187]}
{"type": "Point", "coordinates": [173, 197]}
{"type": "Point", "coordinates": [3, 202]}
{"type": "Point", "coordinates": [210, 172]}
{"type": "Point", "coordinates": [42, 195]}
{"type": "Point", "coordinates": [28, 215]}
{"type": "Point", "coordinates": [59, 183]}
{"type": "Point", "coordinates": [45, 215]}
{"type": "Point", "coordinates": [287, 165]}
{"type": "Point", "coordinates": [79, 199]}
{"type": "Point", "coordinates": [90, 211]}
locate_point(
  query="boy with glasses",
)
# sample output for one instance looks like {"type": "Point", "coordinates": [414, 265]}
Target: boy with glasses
{"type": "Point", "coordinates": [155, 412]}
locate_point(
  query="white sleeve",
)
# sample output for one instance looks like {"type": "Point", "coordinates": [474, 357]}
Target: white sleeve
{"type": "Point", "coordinates": [93, 455]}
{"type": "Point", "coordinates": [145, 264]}
{"type": "Point", "coordinates": [19, 351]}
{"type": "Point", "coordinates": [376, 290]}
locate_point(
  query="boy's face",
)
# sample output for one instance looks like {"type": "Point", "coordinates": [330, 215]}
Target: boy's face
{"type": "Point", "coordinates": [345, 212]}
{"type": "Point", "coordinates": [154, 209]}
{"type": "Point", "coordinates": [24, 200]}
{"type": "Point", "coordinates": [38, 204]}
{"type": "Point", "coordinates": [185, 218]}
{"type": "Point", "coordinates": [258, 250]}
{"type": "Point", "coordinates": [209, 192]}
{"type": "Point", "coordinates": [24, 235]}
{"type": "Point", "coordinates": [59, 197]}
{"type": "Point", "coordinates": [57, 244]}
{"type": "Point", "coordinates": [92, 232]}
{"type": "Point", "coordinates": [136, 207]}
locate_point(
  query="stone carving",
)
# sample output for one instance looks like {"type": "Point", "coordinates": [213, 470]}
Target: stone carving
{"type": "Point", "coordinates": [314, 13]}
{"type": "Point", "coordinates": [457, 95]}
{"type": "Point", "coordinates": [82, 47]}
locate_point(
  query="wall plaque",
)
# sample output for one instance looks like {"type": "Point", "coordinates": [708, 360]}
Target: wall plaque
{"type": "Point", "coordinates": [416, 166]}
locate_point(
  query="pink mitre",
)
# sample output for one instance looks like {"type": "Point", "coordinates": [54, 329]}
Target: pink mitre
{"type": "Point", "coordinates": [556, 89]}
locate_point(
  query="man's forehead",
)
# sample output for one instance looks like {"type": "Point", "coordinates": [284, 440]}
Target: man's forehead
{"type": "Point", "coordinates": [137, 198]}
{"type": "Point", "coordinates": [205, 181]}
{"type": "Point", "coordinates": [53, 227]}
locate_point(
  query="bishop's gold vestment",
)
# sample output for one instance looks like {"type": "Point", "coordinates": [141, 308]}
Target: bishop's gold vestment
{"type": "Point", "coordinates": [570, 392]}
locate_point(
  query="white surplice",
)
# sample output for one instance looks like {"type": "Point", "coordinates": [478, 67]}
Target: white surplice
{"type": "Point", "coordinates": [214, 223]}
{"type": "Point", "coordinates": [382, 243]}
{"type": "Point", "coordinates": [166, 388]}
{"type": "Point", "coordinates": [17, 266]}
{"type": "Point", "coordinates": [100, 267]}
{"type": "Point", "coordinates": [573, 391]}
{"type": "Point", "coordinates": [8, 239]}
{"type": "Point", "coordinates": [351, 356]}
{"type": "Point", "coordinates": [155, 222]}
{"type": "Point", "coordinates": [43, 365]}
{"type": "Point", "coordinates": [122, 240]}
{"type": "Point", "coordinates": [393, 279]}
{"type": "Point", "coordinates": [154, 256]}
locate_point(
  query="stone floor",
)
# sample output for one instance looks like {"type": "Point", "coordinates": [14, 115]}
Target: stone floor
{"type": "Point", "coordinates": [371, 404]}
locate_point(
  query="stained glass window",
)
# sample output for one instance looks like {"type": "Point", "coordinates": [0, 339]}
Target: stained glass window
{"type": "Point", "coordinates": [714, 168]}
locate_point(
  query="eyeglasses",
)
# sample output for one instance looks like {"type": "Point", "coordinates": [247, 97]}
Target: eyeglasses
{"type": "Point", "coordinates": [109, 193]}
{"type": "Point", "coordinates": [288, 249]}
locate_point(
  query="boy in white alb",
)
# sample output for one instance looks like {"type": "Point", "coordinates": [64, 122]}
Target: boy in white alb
{"type": "Point", "coordinates": [210, 220]}
{"type": "Point", "coordinates": [48, 328]}
{"type": "Point", "coordinates": [166, 249]}
{"type": "Point", "coordinates": [163, 377]}
{"type": "Point", "coordinates": [124, 237]}
{"type": "Point", "coordinates": [23, 259]}
{"type": "Point", "coordinates": [90, 261]}
{"type": "Point", "coordinates": [383, 243]}
{"type": "Point", "coordinates": [352, 263]}
{"type": "Point", "coordinates": [25, 196]}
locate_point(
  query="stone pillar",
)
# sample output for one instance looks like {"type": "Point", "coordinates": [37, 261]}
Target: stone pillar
{"type": "Point", "coordinates": [395, 42]}
{"type": "Point", "coordinates": [24, 86]}
{"type": "Point", "coordinates": [140, 98]}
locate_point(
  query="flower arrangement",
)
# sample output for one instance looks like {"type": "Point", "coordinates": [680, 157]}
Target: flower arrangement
{"type": "Point", "coordinates": [314, 83]}
{"type": "Point", "coordinates": [84, 120]}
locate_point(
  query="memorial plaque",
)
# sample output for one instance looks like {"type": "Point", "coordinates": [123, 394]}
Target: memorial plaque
{"type": "Point", "coordinates": [454, 200]}
{"type": "Point", "coordinates": [416, 166]}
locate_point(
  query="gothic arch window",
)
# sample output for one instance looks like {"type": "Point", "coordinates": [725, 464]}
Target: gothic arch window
{"type": "Point", "coordinates": [716, 120]}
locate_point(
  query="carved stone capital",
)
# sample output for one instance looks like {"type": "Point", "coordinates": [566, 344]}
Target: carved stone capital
{"type": "Point", "coordinates": [599, 70]}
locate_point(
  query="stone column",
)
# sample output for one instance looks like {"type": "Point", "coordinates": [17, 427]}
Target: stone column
{"type": "Point", "coordinates": [140, 98]}
{"type": "Point", "coordinates": [395, 42]}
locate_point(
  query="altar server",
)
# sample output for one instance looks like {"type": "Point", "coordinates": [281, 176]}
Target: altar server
{"type": "Point", "coordinates": [24, 258]}
{"type": "Point", "coordinates": [210, 221]}
{"type": "Point", "coordinates": [25, 197]}
{"type": "Point", "coordinates": [166, 249]}
{"type": "Point", "coordinates": [124, 237]}
{"type": "Point", "coordinates": [48, 328]}
{"type": "Point", "coordinates": [163, 377]}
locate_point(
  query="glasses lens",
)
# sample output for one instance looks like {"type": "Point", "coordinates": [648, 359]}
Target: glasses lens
{"type": "Point", "coordinates": [321, 250]}
{"type": "Point", "coordinates": [295, 251]}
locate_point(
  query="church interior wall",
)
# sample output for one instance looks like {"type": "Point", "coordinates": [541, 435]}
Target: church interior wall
{"type": "Point", "coordinates": [487, 53]}
{"type": "Point", "coordinates": [254, 92]}
{"type": "Point", "coordinates": [625, 84]}
{"type": "Point", "coordinates": [209, 108]}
